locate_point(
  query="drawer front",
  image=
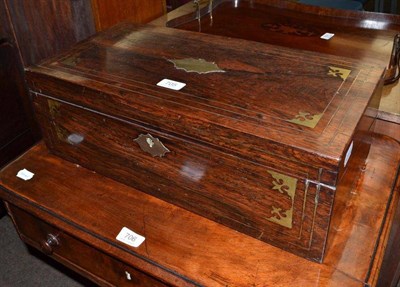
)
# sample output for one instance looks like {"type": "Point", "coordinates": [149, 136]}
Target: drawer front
{"type": "Point", "coordinates": [54, 242]}
{"type": "Point", "coordinates": [272, 204]}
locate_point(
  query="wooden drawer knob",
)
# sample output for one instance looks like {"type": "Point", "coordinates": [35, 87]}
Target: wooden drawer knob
{"type": "Point", "coordinates": [48, 245]}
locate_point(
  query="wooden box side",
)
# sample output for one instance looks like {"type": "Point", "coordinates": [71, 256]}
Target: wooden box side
{"type": "Point", "coordinates": [276, 203]}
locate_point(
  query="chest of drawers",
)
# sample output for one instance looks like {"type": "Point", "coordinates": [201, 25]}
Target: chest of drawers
{"type": "Point", "coordinates": [75, 215]}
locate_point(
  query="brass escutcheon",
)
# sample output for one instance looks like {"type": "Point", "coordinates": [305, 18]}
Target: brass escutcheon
{"type": "Point", "coordinates": [151, 145]}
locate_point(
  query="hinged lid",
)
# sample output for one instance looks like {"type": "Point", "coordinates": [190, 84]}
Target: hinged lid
{"type": "Point", "coordinates": [239, 94]}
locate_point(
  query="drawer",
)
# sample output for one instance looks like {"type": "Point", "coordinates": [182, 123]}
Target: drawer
{"type": "Point", "coordinates": [72, 251]}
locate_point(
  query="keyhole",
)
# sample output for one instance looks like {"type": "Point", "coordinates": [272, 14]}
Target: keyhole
{"type": "Point", "coordinates": [150, 142]}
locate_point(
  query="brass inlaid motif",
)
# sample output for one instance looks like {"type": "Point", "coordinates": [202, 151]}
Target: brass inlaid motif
{"type": "Point", "coordinates": [54, 110]}
{"type": "Point", "coordinates": [285, 185]}
{"type": "Point", "coordinates": [151, 145]}
{"type": "Point", "coordinates": [306, 119]}
{"type": "Point", "coordinates": [199, 66]}
{"type": "Point", "coordinates": [289, 29]}
{"type": "Point", "coordinates": [338, 72]}
{"type": "Point", "coordinates": [71, 61]}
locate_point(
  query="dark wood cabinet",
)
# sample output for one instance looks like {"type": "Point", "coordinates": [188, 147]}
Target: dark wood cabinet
{"type": "Point", "coordinates": [76, 254]}
{"type": "Point", "coordinates": [31, 31]}
{"type": "Point", "coordinates": [16, 125]}
{"type": "Point", "coordinates": [42, 28]}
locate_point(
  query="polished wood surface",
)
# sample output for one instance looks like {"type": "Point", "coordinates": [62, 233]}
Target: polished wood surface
{"type": "Point", "coordinates": [223, 138]}
{"type": "Point", "coordinates": [44, 27]}
{"type": "Point", "coordinates": [111, 12]}
{"type": "Point", "coordinates": [77, 255]}
{"type": "Point", "coordinates": [184, 249]}
{"type": "Point", "coordinates": [388, 128]}
{"type": "Point", "coordinates": [361, 35]}
{"type": "Point", "coordinates": [267, 112]}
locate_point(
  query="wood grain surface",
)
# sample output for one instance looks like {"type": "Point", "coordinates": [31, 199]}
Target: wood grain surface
{"type": "Point", "coordinates": [360, 35]}
{"type": "Point", "coordinates": [184, 249]}
{"type": "Point", "coordinates": [42, 28]}
{"type": "Point", "coordinates": [249, 147]}
{"type": "Point", "coordinates": [111, 12]}
{"type": "Point", "coordinates": [229, 109]}
{"type": "Point", "coordinates": [357, 34]}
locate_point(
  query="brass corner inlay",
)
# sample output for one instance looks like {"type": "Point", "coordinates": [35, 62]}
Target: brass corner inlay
{"type": "Point", "coordinates": [54, 110]}
{"type": "Point", "coordinates": [199, 66]}
{"type": "Point", "coordinates": [285, 185]}
{"type": "Point", "coordinates": [71, 61]}
{"type": "Point", "coordinates": [306, 119]}
{"type": "Point", "coordinates": [338, 72]}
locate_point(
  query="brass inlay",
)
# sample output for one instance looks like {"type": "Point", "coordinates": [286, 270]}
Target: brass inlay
{"type": "Point", "coordinates": [54, 110]}
{"type": "Point", "coordinates": [290, 29]}
{"type": "Point", "coordinates": [199, 66]}
{"type": "Point", "coordinates": [71, 61]}
{"type": "Point", "coordinates": [338, 72]}
{"type": "Point", "coordinates": [285, 185]}
{"type": "Point", "coordinates": [152, 145]}
{"type": "Point", "coordinates": [306, 119]}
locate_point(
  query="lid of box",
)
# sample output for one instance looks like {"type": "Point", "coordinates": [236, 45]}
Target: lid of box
{"type": "Point", "coordinates": [229, 93]}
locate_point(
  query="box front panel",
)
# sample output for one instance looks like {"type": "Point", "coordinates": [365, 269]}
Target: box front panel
{"type": "Point", "coordinates": [276, 205]}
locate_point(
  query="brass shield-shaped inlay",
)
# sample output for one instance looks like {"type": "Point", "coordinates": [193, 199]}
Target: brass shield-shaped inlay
{"type": "Point", "coordinates": [199, 66]}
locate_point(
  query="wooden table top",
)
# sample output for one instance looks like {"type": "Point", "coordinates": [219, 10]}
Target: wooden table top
{"type": "Point", "coordinates": [185, 249]}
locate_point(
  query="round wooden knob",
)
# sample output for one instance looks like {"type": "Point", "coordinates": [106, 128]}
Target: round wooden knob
{"type": "Point", "coordinates": [48, 245]}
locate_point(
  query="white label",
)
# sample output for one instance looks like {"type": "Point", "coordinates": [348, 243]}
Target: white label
{"type": "Point", "coordinates": [129, 237]}
{"type": "Point", "coordinates": [327, 36]}
{"type": "Point", "coordinates": [25, 174]}
{"type": "Point", "coordinates": [173, 85]}
{"type": "Point", "coordinates": [348, 154]}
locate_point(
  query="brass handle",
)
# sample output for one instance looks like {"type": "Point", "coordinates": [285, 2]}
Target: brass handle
{"type": "Point", "coordinates": [151, 145]}
{"type": "Point", "coordinates": [48, 245]}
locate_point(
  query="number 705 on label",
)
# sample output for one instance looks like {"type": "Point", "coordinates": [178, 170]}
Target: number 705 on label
{"type": "Point", "coordinates": [129, 237]}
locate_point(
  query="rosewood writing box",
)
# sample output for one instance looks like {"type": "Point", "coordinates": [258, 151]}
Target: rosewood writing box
{"type": "Point", "coordinates": [259, 138]}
